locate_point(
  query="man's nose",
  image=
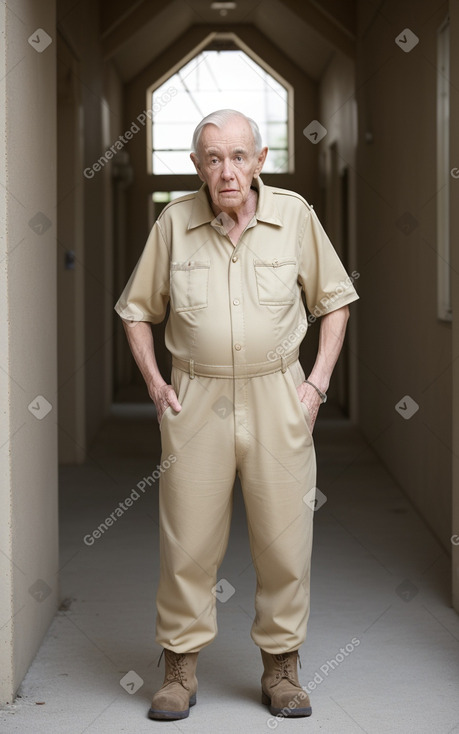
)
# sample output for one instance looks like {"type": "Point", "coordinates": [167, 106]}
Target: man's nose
{"type": "Point", "coordinates": [227, 171]}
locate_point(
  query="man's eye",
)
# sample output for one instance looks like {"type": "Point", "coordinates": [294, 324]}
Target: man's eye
{"type": "Point", "coordinates": [239, 158]}
{"type": "Point", "coordinates": [214, 160]}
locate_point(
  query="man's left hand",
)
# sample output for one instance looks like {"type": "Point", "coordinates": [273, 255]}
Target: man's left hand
{"type": "Point", "coordinates": [310, 397]}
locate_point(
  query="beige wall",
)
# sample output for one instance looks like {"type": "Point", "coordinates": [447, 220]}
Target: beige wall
{"type": "Point", "coordinates": [338, 114]}
{"type": "Point", "coordinates": [112, 128]}
{"type": "Point", "coordinates": [403, 348]}
{"type": "Point", "coordinates": [29, 304]}
{"type": "Point", "coordinates": [100, 96]}
{"type": "Point", "coordinates": [304, 180]}
{"type": "Point", "coordinates": [28, 453]}
{"type": "Point", "coordinates": [70, 280]}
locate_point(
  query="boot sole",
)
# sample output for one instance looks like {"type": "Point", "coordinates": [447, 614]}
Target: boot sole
{"type": "Point", "coordinates": [172, 715]}
{"type": "Point", "coordinates": [285, 712]}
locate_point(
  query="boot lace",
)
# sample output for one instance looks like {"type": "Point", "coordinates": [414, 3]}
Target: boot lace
{"type": "Point", "coordinates": [286, 667]}
{"type": "Point", "coordinates": [177, 672]}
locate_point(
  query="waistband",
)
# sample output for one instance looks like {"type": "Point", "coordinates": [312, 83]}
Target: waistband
{"type": "Point", "coordinates": [235, 371]}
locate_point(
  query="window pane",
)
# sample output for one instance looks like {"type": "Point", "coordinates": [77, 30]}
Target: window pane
{"type": "Point", "coordinates": [276, 162]}
{"type": "Point", "coordinates": [276, 135]}
{"type": "Point", "coordinates": [172, 162]}
{"type": "Point", "coordinates": [172, 135]}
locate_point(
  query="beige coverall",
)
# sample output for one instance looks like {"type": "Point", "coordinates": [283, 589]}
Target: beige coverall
{"type": "Point", "coordinates": [236, 321]}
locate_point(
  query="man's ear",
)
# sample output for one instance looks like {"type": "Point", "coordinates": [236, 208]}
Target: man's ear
{"type": "Point", "coordinates": [261, 161]}
{"type": "Point", "coordinates": [195, 160]}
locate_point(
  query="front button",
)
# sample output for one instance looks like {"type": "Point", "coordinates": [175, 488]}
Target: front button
{"type": "Point", "coordinates": [235, 259]}
{"type": "Point", "coordinates": [237, 347]}
{"type": "Point", "coordinates": [236, 302]}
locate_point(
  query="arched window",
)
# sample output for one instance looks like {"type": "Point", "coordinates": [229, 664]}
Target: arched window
{"type": "Point", "coordinates": [223, 73]}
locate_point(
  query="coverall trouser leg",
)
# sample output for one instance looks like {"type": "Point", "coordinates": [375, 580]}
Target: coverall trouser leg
{"type": "Point", "coordinates": [258, 428]}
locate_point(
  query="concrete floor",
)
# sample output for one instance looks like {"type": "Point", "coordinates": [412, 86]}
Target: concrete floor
{"type": "Point", "coordinates": [380, 591]}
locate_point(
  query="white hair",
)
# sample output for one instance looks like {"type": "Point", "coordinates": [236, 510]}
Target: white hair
{"type": "Point", "coordinates": [219, 119]}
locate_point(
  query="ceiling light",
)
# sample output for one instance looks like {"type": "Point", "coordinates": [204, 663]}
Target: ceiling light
{"type": "Point", "coordinates": [223, 6]}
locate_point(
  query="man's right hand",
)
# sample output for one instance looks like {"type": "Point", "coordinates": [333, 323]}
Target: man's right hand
{"type": "Point", "coordinates": [140, 338]}
{"type": "Point", "coordinates": [163, 397]}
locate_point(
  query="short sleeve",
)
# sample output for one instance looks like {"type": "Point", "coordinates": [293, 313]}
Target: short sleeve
{"type": "Point", "coordinates": [146, 294]}
{"type": "Point", "coordinates": [325, 282]}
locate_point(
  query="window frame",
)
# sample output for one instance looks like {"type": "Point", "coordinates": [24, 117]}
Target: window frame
{"type": "Point", "coordinates": [219, 39]}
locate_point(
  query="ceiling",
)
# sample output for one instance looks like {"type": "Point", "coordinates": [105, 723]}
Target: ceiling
{"type": "Point", "coordinates": [307, 32]}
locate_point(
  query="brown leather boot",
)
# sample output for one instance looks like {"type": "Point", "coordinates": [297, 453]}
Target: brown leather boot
{"type": "Point", "coordinates": [178, 692]}
{"type": "Point", "coordinates": [280, 687]}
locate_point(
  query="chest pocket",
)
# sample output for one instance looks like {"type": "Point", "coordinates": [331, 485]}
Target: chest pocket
{"type": "Point", "coordinates": [189, 285]}
{"type": "Point", "coordinates": [277, 281]}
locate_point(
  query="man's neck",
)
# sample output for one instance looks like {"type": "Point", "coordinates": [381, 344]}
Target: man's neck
{"type": "Point", "coordinates": [243, 215]}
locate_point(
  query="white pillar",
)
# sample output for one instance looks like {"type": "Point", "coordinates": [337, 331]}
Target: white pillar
{"type": "Point", "coordinates": [28, 375]}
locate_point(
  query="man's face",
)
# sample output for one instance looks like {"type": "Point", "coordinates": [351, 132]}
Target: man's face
{"type": "Point", "coordinates": [227, 162]}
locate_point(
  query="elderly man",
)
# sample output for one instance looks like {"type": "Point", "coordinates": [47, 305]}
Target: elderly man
{"type": "Point", "coordinates": [232, 260]}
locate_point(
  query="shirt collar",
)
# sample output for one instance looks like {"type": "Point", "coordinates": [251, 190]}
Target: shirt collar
{"type": "Point", "coordinates": [266, 207]}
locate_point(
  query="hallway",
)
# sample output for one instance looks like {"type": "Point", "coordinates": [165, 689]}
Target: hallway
{"type": "Point", "coordinates": [358, 103]}
{"type": "Point", "coordinates": [380, 592]}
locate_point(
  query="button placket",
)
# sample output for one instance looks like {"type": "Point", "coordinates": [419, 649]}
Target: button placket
{"type": "Point", "coordinates": [237, 316]}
